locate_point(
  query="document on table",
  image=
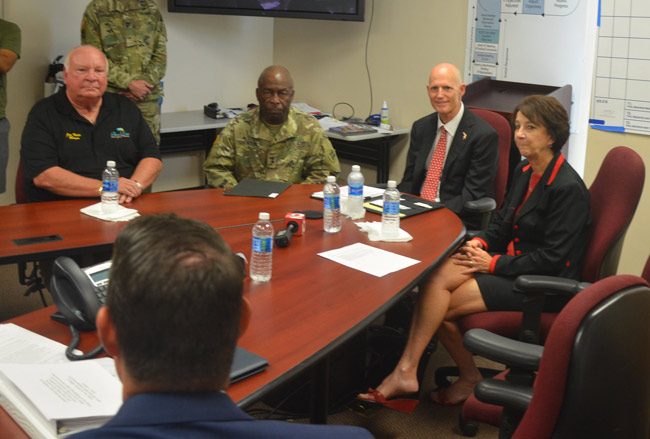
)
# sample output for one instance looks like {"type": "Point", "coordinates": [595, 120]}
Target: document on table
{"type": "Point", "coordinates": [30, 364]}
{"type": "Point", "coordinates": [369, 259]}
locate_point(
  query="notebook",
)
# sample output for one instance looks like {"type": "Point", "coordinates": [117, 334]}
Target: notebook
{"type": "Point", "coordinates": [246, 364]}
{"type": "Point", "coordinates": [250, 187]}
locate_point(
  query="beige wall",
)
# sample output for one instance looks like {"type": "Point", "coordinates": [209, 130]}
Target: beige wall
{"type": "Point", "coordinates": [210, 58]}
{"type": "Point", "coordinates": [407, 38]}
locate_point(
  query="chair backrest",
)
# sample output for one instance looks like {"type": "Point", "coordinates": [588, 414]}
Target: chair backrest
{"type": "Point", "coordinates": [20, 194]}
{"type": "Point", "coordinates": [503, 129]}
{"type": "Point", "coordinates": [615, 194]}
{"type": "Point", "coordinates": [593, 378]}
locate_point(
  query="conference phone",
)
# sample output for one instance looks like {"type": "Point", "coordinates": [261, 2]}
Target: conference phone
{"type": "Point", "coordinates": [79, 292]}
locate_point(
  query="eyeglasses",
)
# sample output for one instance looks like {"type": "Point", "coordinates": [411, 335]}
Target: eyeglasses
{"type": "Point", "coordinates": [282, 93]}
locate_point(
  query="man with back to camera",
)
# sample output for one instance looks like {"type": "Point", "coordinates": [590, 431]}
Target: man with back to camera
{"type": "Point", "coordinates": [465, 167]}
{"type": "Point", "coordinates": [173, 337]}
{"type": "Point", "coordinates": [273, 141]}
{"type": "Point", "coordinates": [69, 136]}
{"type": "Point", "coordinates": [132, 35]}
{"type": "Point", "coordinates": [9, 54]}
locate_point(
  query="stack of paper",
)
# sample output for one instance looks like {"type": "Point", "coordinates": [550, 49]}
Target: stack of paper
{"type": "Point", "coordinates": [48, 396]}
{"type": "Point", "coordinates": [120, 213]}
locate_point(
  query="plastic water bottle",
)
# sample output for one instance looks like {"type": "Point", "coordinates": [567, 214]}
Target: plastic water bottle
{"type": "Point", "coordinates": [331, 206]}
{"type": "Point", "coordinates": [110, 181]}
{"type": "Point", "coordinates": [384, 114]}
{"type": "Point", "coordinates": [390, 215]}
{"type": "Point", "coordinates": [355, 193]}
{"type": "Point", "coordinates": [262, 249]}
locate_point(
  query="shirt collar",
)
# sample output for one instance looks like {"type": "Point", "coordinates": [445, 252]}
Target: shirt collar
{"type": "Point", "coordinates": [172, 408]}
{"type": "Point", "coordinates": [288, 129]}
{"type": "Point", "coordinates": [452, 125]}
{"type": "Point", "coordinates": [63, 104]}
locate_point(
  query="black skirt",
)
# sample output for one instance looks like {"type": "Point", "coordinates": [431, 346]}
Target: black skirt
{"type": "Point", "coordinates": [498, 295]}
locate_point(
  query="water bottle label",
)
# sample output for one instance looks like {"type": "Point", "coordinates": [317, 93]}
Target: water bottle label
{"type": "Point", "coordinates": [332, 201]}
{"type": "Point", "coordinates": [391, 207]}
{"type": "Point", "coordinates": [355, 191]}
{"type": "Point", "coordinates": [109, 186]}
{"type": "Point", "coordinates": [262, 245]}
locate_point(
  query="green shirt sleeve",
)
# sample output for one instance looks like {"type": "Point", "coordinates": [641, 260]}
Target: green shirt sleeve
{"type": "Point", "coordinates": [322, 161]}
{"type": "Point", "coordinates": [220, 164]}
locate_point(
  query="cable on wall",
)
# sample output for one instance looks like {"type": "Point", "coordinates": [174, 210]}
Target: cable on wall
{"type": "Point", "coordinates": [350, 116]}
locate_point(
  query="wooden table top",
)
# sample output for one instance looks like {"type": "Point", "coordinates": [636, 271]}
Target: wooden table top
{"type": "Point", "coordinates": [312, 304]}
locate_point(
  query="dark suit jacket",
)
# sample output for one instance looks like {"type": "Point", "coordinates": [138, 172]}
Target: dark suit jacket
{"type": "Point", "coordinates": [203, 415]}
{"type": "Point", "coordinates": [470, 167]}
{"type": "Point", "coordinates": [549, 233]}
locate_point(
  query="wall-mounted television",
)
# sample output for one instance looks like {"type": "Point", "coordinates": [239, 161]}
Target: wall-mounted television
{"type": "Point", "coordinates": [351, 10]}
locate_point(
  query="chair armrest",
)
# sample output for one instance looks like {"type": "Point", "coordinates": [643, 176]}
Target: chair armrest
{"type": "Point", "coordinates": [482, 205]}
{"type": "Point", "coordinates": [503, 350]}
{"type": "Point", "coordinates": [531, 285]}
{"type": "Point", "coordinates": [509, 395]}
{"type": "Point", "coordinates": [536, 288]}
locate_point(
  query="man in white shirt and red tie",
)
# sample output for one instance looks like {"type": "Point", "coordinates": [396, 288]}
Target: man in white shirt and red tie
{"type": "Point", "coordinates": [453, 153]}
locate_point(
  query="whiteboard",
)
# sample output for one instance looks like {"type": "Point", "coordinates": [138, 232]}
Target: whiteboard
{"type": "Point", "coordinates": [621, 100]}
{"type": "Point", "coordinates": [547, 42]}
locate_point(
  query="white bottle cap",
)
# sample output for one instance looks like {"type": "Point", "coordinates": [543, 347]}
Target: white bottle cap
{"type": "Point", "coordinates": [385, 105]}
{"type": "Point", "coordinates": [110, 164]}
{"type": "Point", "coordinates": [331, 179]}
{"type": "Point", "coordinates": [356, 168]}
{"type": "Point", "coordinates": [264, 216]}
{"type": "Point", "coordinates": [391, 184]}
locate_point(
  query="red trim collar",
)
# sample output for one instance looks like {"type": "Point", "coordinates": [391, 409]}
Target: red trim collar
{"type": "Point", "coordinates": [556, 169]}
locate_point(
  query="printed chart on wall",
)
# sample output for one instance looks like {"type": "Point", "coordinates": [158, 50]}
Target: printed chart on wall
{"type": "Point", "coordinates": [546, 42]}
{"type": "Point", "coordinates": [621, 100]}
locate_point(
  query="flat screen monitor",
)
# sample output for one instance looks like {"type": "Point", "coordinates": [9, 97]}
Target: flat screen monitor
{"type": "Point", "coordinates": [351, 10]}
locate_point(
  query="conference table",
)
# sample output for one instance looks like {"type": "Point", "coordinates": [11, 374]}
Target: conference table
{"type": "Point", "coordinates": [310, 307]}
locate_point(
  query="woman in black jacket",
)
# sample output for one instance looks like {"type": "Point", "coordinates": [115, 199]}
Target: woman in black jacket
{"type": "Point", "coordinates": [541, 228]}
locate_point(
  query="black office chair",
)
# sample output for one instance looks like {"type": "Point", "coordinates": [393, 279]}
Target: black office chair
{"type": "Point", "coordinates": [592, 375]}
{"type": "Point", "coordinates": [28, 271]}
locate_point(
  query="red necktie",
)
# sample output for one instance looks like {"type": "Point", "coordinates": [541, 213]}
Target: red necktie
{"type": "Point", "coordinates": [432, 181]}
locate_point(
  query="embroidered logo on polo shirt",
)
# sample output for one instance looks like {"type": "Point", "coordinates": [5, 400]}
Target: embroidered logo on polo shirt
{"type": "Point", "coordinates": [73, 136]}
{"type": "Point", "coordinates": [120, 133]}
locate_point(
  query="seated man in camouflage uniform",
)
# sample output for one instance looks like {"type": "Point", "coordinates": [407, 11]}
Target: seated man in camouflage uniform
{"type": "Point", "coordinates": [273, 141]}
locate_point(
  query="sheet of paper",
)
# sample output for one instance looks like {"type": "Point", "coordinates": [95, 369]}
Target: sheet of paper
{"type": "Point", "coordinates": [369, 259]}
{"type": "Point", "coordinates": [19, 345]}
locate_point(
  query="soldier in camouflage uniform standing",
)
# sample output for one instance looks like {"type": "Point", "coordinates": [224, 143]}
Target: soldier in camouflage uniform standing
{"type": "Point", "coordinates": [132, 35]}
{"type": "Point", "coordinates": [9, 54]}
{"type": "Point", "coordinates": [273, 141]}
